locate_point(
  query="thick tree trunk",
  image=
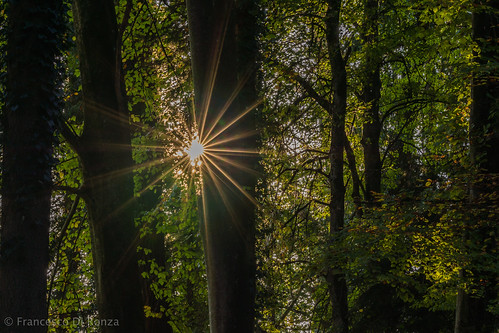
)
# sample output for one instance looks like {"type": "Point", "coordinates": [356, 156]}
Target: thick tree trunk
{"type": "Point", "coordinates": [371, 128]}
{"type": "Point", "coordinates": [471, 309]}
{"type": "Point", "coordinates": [33, 39]}
{"type": "Point", "coordinates": [335, 276]}
{"type": "Point", "coordinates": [223, 50]}
{"type": "Point", "coordinates": [105, 152]}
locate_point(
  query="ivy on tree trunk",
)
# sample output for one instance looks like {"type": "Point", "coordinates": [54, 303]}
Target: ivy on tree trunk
{"type": "Point", "coordinates": [32, 105]}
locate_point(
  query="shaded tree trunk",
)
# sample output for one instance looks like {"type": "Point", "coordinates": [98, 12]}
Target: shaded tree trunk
{"type": "Point", "coordinates": [335, 276]}
{"type": "Point", "coordinates": [223, 53]}
{"type": "Point", "coordinates": [105, 153]}
{"type": "Point", "coordinates": [371, 128]}
{"type": "Point", "coordinates": [471, 309]}
{"type": "Point", "coordinates": [155, 242]}
{"type": "Point", "coordinates": [33, 41]}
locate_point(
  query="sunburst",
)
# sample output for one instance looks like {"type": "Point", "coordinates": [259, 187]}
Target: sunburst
{"type": "Point", "coordinates": [195, 151]}
{"type": "Point", "coordinates": [203, 146]}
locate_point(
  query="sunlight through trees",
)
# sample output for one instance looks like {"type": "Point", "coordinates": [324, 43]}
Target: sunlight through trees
{"type": "Point", "coordinates": [249, 166]}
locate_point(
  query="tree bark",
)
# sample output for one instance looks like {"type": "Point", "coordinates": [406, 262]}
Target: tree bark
{"type": "Point", "coordinates": [371, 128]}
{"type": "Point", "coordinates": [33, 40]}
{"type": "Point", "coordinates": [471, 309]}
{"type": "Point", "coordinates": [223, 51]}
{"type": "Point", "coordinates": [335, 276]}
{"type": "Point", "coordinates": [105, 153]}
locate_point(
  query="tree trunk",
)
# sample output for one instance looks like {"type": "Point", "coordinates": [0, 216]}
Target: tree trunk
{"type": "Point", "coordinates": [471, 309]}
{"type": "Point", "coordinates": [335, 276]}
{"type": "Point", "coordinates": [223, 52]}
{"type": "Point", "coordinates": [153, 241]}
{"type": "Point", "coordinates": [371, 128]}
{"type": "Point", "coordinates": [33, 41]}
{"type": "Point", "coordinates": [105, 153]}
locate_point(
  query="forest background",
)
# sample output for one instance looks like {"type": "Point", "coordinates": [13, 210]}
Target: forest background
{"type": "Point", "coordinates": [347, 180]}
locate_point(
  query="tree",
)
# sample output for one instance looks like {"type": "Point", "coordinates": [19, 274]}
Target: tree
{"type": "Point", "coordinates": [34, 41]}
{"type": "Point", "coordinates": [371, 93]}
{"type": "Point", "coordinates": [104, 150]}
{"type": "Point", "coordinates": [335, 277]}
{"type": "Point", "coordinates": [223, 49]}
{"type": "Point", "coordinates": [472, 308]}
{"type": "Point", "coordinates": [411, 70]}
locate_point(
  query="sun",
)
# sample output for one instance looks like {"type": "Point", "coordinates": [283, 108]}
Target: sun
{"type": "Point", "coordinates": [195, 151]}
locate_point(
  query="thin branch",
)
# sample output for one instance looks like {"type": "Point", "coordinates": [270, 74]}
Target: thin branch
{"type": "Point", "coordinates": [308, 150]}
{"type": "Point", "coordinates": [327, 204]}
{"type": "Point", "coordinates": [399, 134]}
{"type": "Point", "coordinates": [297, 212]}
{"type": "Point", "coordinates": [352, 165]}
{"type": "Point", "coordinates": [402, 105]}
{"type": "Point", "coordinates": [65, 226]}
{"type": "Point", "coordinates": [123, 38]}
{"type": "Point", "coordinates": [317, 171]}
{"type": "Point", "coordinates": [324, 103]}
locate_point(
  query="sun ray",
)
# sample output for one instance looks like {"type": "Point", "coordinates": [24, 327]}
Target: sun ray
{"type": "Point", "coordinates": [228, 103]}
{"type": "Point", "coordinates": [218, 182]}
{"type": "Point", "coordinates": [212, 73]}
{"type": "Point", "coordinates": [204, 209]}
{"type": "Point", "coordinates": [235, 120]}
{"type": "Point", "coordinates": [233, 163]}
{"type": "Point", "coordinates": [232, 151]}
{"type": "Point", "coordinates": [160, 148]}
{"type": "Point", "coordinates": [162, 176]}
{"type": "Point", "coordinates": [229, 139]}
{"type": "Point", "coordinates": [242, 190]}
{"type": "Point", "coordinates": [124, 171]}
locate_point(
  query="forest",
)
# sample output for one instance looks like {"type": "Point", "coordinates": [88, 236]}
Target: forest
{"type": "Point", "coordinates": [238, 166]}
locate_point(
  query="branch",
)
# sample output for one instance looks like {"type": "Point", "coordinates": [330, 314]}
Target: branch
{"type": "Point", "coordinates": [297, 212]}
{"type": "Point", "coordinates": [319, 171]}
{"type": "Point", "coordinates": [69, 189]}
{"type": "Point", "coordinates": [400, 106]}
{"type": "Point", "coordinates": [126, 17]}
{"type": "Point", "coordinates": [158, 35]}
{"type": "Point", "coordinates": [309, 150]}
{"type": "Point", "coordinates": [289, 308]}
{"type": "Point", "coordinates": [399, 134]}
{"type": "Point", "coordinates": [327, 204]}
{"type": "Point", "coordinates": [70, 135]}
{"type": "Point", "coordinates": [352, 165]}
{"type": "Point", "coordinates": [125, 37]}
{"type": "Point", "coordinates": [324, 103]}
{"type": "Point", "coordinates": [65, 226]}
